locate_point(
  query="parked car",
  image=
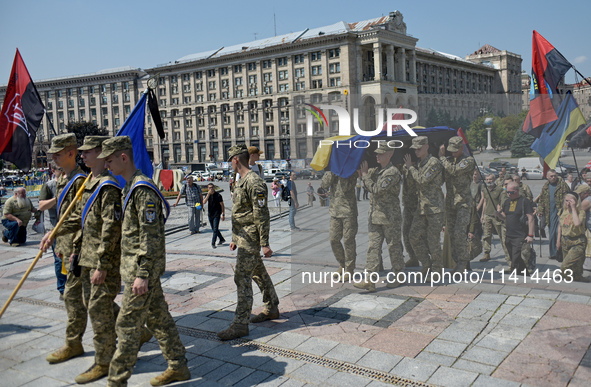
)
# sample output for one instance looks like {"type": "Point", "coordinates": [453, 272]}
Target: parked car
{"type": "Point", "coordinates": [564, 169]}
{"type": "Point", "coordinates": [283, 173]}
{"type": "Point", "coordinates": [534, 174]}
{"type": "Point", "coordinates": [305, 174]}
{"type": "Point", "coordinates": [318, 174]}
{"type": "Point", "coordinates": [487, 171]}
{"type": "Point", "coordinates": [498, 165]}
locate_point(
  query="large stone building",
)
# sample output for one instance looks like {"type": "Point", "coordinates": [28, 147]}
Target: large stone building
{"type": "Point", "coordinates": [254, 92]}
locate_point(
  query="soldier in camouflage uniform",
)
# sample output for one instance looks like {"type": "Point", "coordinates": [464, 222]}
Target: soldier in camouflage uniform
{"type": "Point", "coordinates": [475, 227]}
{"type": "Point", "coordinates": [459, 170]}
{"type": "Point", "coordinates": [494, 196]}
{"type": "Point", "coordinates": [64, 150]}
{"type": "Point", "coordinates": [524, 190]}
{"type": "Point", "coordinates": [410, 203]}
{"type": "Point", "coordinates": [343, 219]}
{"type": "Point", "coordinates": [549, 209]}
{"type": "Point", "coordinates": [384, 215]}
{"type": "Point", "coordinates": [428, 220]}
{"type": "Point", "coordinates": [250, 233]}
{"type": "Point", "coordinates": [143, 262]}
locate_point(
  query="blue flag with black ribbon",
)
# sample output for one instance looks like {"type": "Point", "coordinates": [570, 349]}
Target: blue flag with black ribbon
{"type": "Point", "coordinates": [134, 128]}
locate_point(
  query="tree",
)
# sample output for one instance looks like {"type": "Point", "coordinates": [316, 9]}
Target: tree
{"type": "Point", "coordinates": [521, 145]}
{"type": "Point", "coordinates": [81, 130]}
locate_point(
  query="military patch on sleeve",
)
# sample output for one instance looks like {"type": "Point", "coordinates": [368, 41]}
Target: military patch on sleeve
{"type": "Point", "coordinates": [463, 163]}
{"type": "Point", "coordinates": [386, 182]}
{"type": "Point", "coordinates": [150, 212]}
{"type": "Point", "coordinates": [117, 211]}
{"type": "Point", "coordinates": [261, 198]}
{"type": "Point", "coordinates": [430, 172]}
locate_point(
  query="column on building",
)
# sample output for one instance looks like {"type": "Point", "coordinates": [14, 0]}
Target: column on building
{"type": "Point", "coordinates": [390, 61]}
{"type": "Point", "coordinates": [413, 66]}
{"type": "Point", "coordinates": [293, 145]}
{"type": "Point", "coordinates": [377, 61]}
{"type": "Point", "coordinates": [402, 65]}
{"type": "Point", "coordinates": [359, 62]}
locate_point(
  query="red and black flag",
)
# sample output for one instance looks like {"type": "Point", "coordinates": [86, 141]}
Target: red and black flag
{"type": "Point", "coordinates": [22, 111]}
{"type": "Point", "coordinates": [548, 68]}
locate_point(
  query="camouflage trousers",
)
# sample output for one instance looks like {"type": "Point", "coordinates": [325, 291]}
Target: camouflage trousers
{"type": "Point", "coordinates": [377, 234]}
{"type": "Point", "coordinates": [519, 250]}
{"type": "Point", "coordinates": [573, 251]}
{"type": "Point", "coordinates": [456, 223]}
{"type": "Point", "coordinates": [249, 267]}
{"type": "Point", "coordinates": [345, 229]}
{"type": "Point", "coordinates": [77, 313]}
{"type": "Point", "coordinates": [427, 228]}
{"type": "Point", "coordinates": [408, 214]}
{"type": "Point", "coordinates": [474, 246]}
{"type": "Point", "coordinates": [103, 311]}
{"type": "Point", "coordinates": [487, 227]}
{"type": "Point", "coordinates": [151, 309]}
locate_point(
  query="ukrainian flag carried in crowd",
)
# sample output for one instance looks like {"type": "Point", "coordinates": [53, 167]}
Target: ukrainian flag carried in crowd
{"type": "Point", "coordinates": [554, 134]}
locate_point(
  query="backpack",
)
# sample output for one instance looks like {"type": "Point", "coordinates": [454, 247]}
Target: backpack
{"type": "Point", "coordinates": [285, 194]}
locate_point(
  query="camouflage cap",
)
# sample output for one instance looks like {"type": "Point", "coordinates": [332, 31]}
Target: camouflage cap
{"type": "Point", "coordinates": [418, 142]}
{"type": "Point", "coordinates": [582, 188]}
{"type": "Point", "coordinates": [62, 141]}
{"type": "Point", "coordinates": [383, 149]}
{"type": "Point", "coordinates": [115, 144]}
{"type": "Point", "coordinates": [455, 144]}
{"type": "Point", "coordinates": [236, 150]}
{"type": "Point", "coordinates": [254, 150]}
{"type": "Point", "coordinates": [91, 142]}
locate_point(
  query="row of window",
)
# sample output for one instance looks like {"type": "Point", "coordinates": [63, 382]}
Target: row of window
{"type": "Point", "coordinates": [82, 102]}
{"type": "Point", "coordinates": [265, 64]}
{"type": "Point", "coordinates": [252, 92]}
{"type": "Point", "coordinates": [334, 68]}
{"type": "Point", "coordinates": [82, 90]}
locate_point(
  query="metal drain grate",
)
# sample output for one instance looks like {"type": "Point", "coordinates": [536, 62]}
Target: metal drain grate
{"type": "Point", "coordinates": [32, 301]}
{"type": "Point", "coordinates": [287, 353]}
{"type": "Point", "coordinates": [308, 358]}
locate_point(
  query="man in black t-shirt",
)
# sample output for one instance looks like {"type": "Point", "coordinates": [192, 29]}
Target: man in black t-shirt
{"type": "Point", "coordinates": [215, 211]}
{"type": "Point", "coordinates": [519, 236]}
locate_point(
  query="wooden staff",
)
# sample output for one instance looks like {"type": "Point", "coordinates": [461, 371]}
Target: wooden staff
{"type": "Point", "coordinates": [51, 236]}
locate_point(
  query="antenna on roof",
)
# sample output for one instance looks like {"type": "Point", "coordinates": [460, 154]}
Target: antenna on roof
{"type": "Point", "coordinates": [274, 23]}
{"type": "Point", "coordinates": [255, 35]}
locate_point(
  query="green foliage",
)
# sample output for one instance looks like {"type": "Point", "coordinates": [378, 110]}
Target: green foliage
{"type": "Point", "coordinates": [521, 144]}
{"type": "Point", "coordinates": [81, 130]}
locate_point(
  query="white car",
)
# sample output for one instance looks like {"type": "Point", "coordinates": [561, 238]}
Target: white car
{"type": "Point", "coordinates": [534, 174]}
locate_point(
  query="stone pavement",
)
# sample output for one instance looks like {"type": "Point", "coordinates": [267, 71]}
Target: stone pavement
{"type": "Point", "coordinates": [500, 332]}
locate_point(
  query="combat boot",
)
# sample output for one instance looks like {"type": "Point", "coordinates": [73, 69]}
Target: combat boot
{"type": "Point", "coordinates": [425, 271]}
{"type": "Point", "coordinates": [369, 286]}
{"type": "Point", "coordinates": [393, 284]}
{"type": "Point", "coordinates": [65, 353]}
{"type": "Point", "coordinates": [267, 314]}
{"type": "Point", "coordinates": [486, 257]}
{"type": "Point", "coordinates": [460, 267]}
{"type": "Point", "coordinates": [234, 331]}
{"type": "Point", "coordinates": [95, 372]}
{"type": "Point", "coordinates": [170, 376]}
{"type": "Point", "coordinates": [413, 262]}
{"type": "Point", "coordinates": [146, 336]}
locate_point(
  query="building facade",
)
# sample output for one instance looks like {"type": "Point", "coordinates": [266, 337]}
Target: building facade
{"type": "Point", "coordinates": [256, 92]}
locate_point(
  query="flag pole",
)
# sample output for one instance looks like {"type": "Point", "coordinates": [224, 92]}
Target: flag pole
{"type": "Point", "coordinates": [51, 236]}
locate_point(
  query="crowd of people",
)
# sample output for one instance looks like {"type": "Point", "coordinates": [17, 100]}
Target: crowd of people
{"type": "Point", "coordinates": [116, 236]}
{"type": "Point", "coordinates": [473, 209]}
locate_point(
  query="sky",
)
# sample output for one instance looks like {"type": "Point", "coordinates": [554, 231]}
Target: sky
{"type": "Point", "coordinates": [61, 38]}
